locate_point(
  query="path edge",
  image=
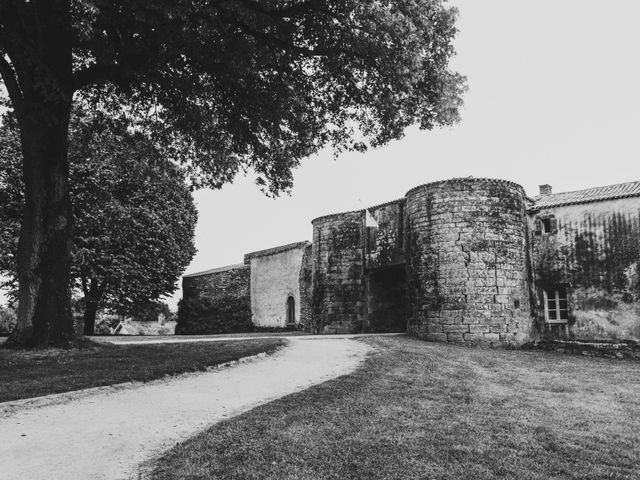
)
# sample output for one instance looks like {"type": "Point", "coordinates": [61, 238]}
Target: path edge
{"type": "Point", "coordinates": [10, 407]}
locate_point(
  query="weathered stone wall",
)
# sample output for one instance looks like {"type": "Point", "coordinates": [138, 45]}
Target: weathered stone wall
{"type": "Point", "coordinates": [338, 293]}
{"type": "Point", "coordinates": [275, 276]}
{"type": "Point", "coordinates": [467, 262]}
{"type": "Point", "coordinates": [306, 288]}
{"type": "Point", "coordinates": [384, 244]}
{"type": "Point", "coordinates": [216, 301]}
{"type": "Point", "coordinates": [218, 284]}
{"type": "Point", "coordinates": [594, 252]}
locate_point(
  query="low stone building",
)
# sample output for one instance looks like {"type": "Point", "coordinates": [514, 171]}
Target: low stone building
{"type": "Point", "coordinates": [461, 260]}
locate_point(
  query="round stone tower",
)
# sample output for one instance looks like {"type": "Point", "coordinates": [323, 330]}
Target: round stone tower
{"type": "Point", "coordinates": [338, 292]}
{"type": "Point", "coordinates": [467, 262]}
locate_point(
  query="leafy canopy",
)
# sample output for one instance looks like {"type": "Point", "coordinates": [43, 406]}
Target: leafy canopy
{"type": "Point", "coordinates": [233, 85]}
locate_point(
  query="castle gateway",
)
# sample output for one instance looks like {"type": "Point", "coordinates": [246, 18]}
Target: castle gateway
{"type": "Point", "coordinates": [464, 260]}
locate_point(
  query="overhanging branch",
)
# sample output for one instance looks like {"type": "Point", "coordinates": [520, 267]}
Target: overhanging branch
{"type": "Point", "coordinates": [11, 82]}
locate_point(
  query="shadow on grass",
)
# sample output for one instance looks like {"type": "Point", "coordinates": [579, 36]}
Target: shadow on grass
{"type": "Point", "coordinates": [32, 373]}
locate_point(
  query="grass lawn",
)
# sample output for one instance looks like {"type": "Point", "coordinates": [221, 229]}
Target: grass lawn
{"type": "Point", "coordinates": [26, 374]}
{"type": "Point", "coordinates": [429, 411]}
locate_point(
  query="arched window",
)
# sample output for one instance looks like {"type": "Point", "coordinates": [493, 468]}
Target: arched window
{"type": "Point", "coordinates": [291, 310]}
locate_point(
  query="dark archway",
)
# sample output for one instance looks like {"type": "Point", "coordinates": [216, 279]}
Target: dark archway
{"type": "Point", "coordinates": [291, 310]}
{"type": "Point", "coordinates": [386, 300]}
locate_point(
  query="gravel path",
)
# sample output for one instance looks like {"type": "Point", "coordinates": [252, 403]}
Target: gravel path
{"type": "Point", "coordinates": [108, 433]}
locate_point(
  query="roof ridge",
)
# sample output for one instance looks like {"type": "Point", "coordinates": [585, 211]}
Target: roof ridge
{"type": "Point", "coordinates": [274, 250]}
{"type": "Point", "coordinates": [216, 270]}
{"type": "Point", "coordinates": [588, 195]}
{"type": "Point", "coordinates": [590, 188]}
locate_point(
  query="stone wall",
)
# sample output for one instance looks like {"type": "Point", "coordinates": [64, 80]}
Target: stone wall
{"type": "Point", "coordinates": [460, 260]}
{"type": "Point", "coordinates": [593, 251]}
{"type": "Point", "coordinates": [275, 276]}
{"type": "Point", "coordinates": [384, 244]}
{"type": "Point", "coordinates": [216, 301]}
{"type": "Point", "coordinates": [338, 292]}
{"type": "Point", "coordinates": [468, 269]}
{"type": "Point", "coordinates": [218, 284]}
{"type": "Point", "coordinates": [306, 288]}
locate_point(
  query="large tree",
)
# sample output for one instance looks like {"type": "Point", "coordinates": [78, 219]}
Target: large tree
{"type": "Point", "coordinates": [226, 85]}
{"type": "Point", "coordinates": [134, 214]}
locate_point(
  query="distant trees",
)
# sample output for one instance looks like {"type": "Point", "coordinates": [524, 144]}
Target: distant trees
{"type": "Point", "coordinates": [135, 216]}
{"type": "Point", "coordinates": [228, 85]}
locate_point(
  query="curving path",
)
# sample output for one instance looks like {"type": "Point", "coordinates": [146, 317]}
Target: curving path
{"type": "Point", "coordinates": [108, 433]}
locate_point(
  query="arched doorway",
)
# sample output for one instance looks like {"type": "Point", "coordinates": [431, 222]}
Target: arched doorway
{"type": "Point", "coordinates": [291, 310]}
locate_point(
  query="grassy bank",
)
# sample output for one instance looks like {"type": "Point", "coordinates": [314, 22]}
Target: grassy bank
{"type": "Point", "coordinates": [427, 411]}
{"type": "Point", "coordinates": [26, 374]}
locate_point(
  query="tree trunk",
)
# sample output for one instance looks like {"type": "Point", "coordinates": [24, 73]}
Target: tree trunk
{"type": "Point", "coordinates": [90, 311]}
{"type": "Point", "coordinates": [91, 301]}
{"type": "Point", "coordinates": [44, 251]}
{"type": "Point", "coordinates": [43, 105]}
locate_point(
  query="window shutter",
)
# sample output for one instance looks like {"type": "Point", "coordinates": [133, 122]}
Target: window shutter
{"type": "Point", "coordinates": [553, 223]}
{"type": "Point", "coordinates": [538, 226]}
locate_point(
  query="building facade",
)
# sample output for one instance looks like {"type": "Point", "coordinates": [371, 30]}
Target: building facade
{"type": "Point", "coordinates": [463, 260]}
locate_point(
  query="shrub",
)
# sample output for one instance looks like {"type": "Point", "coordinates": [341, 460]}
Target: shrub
{"type": "Point", "coordinates": [201, 316]}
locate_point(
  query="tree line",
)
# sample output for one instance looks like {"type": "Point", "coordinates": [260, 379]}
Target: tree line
{"type": "Point", "coordinates": [134, 215]}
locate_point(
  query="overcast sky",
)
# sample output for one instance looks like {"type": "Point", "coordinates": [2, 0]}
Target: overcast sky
{"type": "Point", "coordinates": [554, 97]}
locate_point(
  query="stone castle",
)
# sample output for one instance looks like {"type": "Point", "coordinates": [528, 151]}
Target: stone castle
{"type": "Point", "coordinates": [465, 260]}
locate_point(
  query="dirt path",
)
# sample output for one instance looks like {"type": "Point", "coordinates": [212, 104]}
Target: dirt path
{"type": "Point", "coordinates": [108, 434]}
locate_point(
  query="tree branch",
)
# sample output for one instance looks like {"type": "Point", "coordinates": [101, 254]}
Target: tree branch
{"type": "Point", "coordinates": [11, 82]}
{"type": "Point", "coordinates": [85, 288]}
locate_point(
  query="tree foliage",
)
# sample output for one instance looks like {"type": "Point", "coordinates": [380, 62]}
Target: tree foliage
{"type": "Point", "coordinates": [135, 215]}
{"type": "Point", "coordinates": [240, 84]}
{"type": "Point", "coordinates": [222, 86]}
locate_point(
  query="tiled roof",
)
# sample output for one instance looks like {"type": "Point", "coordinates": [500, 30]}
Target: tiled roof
{"type": "Point", "coordinates": [216, 270]}
{"type": "Point", "coordinates": [610, 192]}
{"type": "Point", "coordinates": [274, 250]}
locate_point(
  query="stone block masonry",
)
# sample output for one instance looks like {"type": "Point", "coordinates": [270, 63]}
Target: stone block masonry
{"type": "Point", "coordinates": [467, 263]}
{"type": "Point", "coordinates": [466, 260]}
{"type": "Point", "coordinates": [218, 283]}
{"type": "Point", "coordinates": [338, 292]}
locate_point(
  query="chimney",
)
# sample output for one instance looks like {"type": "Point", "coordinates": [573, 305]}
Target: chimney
{"type": "Point", "coordinates": [545, 189]}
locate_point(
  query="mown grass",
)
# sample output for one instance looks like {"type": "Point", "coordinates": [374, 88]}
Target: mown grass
{"type": "Point", "coordinates": [26, 374]}
{"type": "Point", "coordinates": [420, 410]}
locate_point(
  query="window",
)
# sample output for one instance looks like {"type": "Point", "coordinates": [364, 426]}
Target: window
{"type": "Point", "coordinates": [555, 306]}
{"type": "Point", "coordinates": [546, 225]}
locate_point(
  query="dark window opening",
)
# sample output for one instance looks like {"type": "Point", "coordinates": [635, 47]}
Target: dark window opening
{"type": "Point", "coordinates": [555, 306]}
{"type": "Point", "coordinates": [547, 224]}
{"type": "Point", "coordinates": [291, 310]}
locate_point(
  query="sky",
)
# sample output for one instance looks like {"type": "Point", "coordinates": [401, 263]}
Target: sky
{"type": "Point", "coordinates": [554, 98]}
